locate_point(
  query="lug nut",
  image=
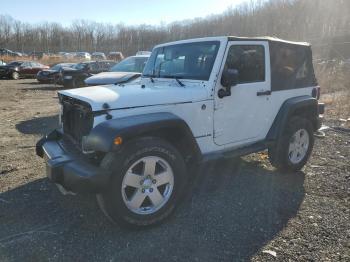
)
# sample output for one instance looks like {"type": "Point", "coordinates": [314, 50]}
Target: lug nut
{"type": "Point", "coordinates": [154, 181]}
{"type": "Point", "coordinates": [143, 190]}
{"type": "Point", "coordinates": [151, 190]}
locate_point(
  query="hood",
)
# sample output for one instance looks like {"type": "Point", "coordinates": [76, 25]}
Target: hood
{"type": "Point", "coordinates": [107, 78]}
{"type": "Point", "coordinates": [133, 95]}
{"type": "Point", "coordinates": [8, 66]}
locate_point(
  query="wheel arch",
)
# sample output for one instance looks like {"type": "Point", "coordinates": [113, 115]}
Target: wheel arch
{"type": "Point", "coordinates": [165, 125]}
{"type": "Point", "coordinates": [302, 106]}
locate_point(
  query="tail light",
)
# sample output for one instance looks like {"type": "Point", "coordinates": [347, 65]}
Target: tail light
{"type": "Point", "coordinates": [316, 92]}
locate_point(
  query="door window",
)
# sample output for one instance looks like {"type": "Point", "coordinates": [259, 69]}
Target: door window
{"type": "Point", "coordinates": [26, 65]}
{"type": "Point", "coordinates": [249, 61]}
{"type": "Point", "coordinates": [34, 64]}
{"type": "Point", "coordinates": [94, 67]}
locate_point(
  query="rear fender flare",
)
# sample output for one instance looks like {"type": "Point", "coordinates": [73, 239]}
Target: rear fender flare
{"type": "Point", "coordinates": [301, 105]}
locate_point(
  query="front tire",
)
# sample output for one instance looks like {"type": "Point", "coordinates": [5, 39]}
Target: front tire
{"type": "Point", "coordinates": [295, 146]}
{"type": "Point", "coordinates": [148, 178]}
{"type": "Point", "coordinates": [15, 75]}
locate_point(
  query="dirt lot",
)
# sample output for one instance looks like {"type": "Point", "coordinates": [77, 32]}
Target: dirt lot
{"type": "Point", "coordinates": [236, 209]}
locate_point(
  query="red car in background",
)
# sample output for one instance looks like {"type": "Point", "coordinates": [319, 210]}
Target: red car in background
{"type": "Point", "coordinates": [17, 69]}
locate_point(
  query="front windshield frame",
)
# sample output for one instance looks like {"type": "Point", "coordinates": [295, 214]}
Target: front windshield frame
{"type": "Point", "coordinates": [195, 49]}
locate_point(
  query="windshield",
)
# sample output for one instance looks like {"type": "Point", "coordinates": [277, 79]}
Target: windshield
{"type": "Point", "coordinates": [59, 66]}
{"type": "Point", "coordinates": [15, 63]}
{"type": "Point", "coordinates": [130, 64]}
{"type": "Point", "coordinates": [190, 61]}
{"type": "Point", "coordinates": [79, 66]}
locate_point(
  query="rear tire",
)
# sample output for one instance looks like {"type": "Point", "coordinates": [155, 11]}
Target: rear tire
{"type": "Point", "coordinates": [15, 75]}
{"type": "Point", "coordinates": [293, 150]}
{"type": "Point", "coordinates": [148, 178]}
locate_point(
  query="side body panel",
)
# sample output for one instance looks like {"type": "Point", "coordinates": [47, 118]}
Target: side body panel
{"type": "Point", "coordinates": [243, 116]}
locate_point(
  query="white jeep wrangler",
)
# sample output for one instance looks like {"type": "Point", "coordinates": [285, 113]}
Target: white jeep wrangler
{"type": "Point", "coordinates": [199, 99]}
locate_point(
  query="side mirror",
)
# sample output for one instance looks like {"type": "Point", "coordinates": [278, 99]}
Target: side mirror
{"type": "Point", "coordinates": [229, 78]}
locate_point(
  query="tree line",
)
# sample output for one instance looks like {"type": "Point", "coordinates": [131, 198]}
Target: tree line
{"type": "Point", "coordinates": [314, 21]}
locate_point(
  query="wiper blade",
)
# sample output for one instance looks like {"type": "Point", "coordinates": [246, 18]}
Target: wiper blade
{"type": "Point", "coordinates": [150, 77]}
{"type": "Point", "coordinates": [179, 82]}
{"type": "Point", "coordinates": [177, 78]}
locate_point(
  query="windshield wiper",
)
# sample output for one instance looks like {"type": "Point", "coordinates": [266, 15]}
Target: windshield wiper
{"type": "Point", "coordinates": [177, 78]}
{"type": "Point", "coordinates": [150, 77]}
{"type": "Point", "coordinates": [179, 82]}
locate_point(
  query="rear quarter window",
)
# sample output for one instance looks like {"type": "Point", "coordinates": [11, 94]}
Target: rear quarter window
{"type": "Point", "coordinates": [291, 67]}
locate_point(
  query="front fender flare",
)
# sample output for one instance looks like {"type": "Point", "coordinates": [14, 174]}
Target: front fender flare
{"type": "Point", "coordinates": [101, 137]}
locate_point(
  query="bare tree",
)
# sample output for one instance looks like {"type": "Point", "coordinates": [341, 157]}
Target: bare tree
{"type": "Point", "coordinates": [306, 20]}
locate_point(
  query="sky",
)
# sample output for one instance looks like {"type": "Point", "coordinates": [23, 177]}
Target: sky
{"type": "Point", "coordinates": [128, 12]}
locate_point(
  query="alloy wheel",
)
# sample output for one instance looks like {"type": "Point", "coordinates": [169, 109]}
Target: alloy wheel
{"type": "Point", "coordinates": [147, 185]}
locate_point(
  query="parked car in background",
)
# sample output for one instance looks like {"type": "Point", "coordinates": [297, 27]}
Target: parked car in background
{"type": "Point", "coordinates": [143, 53]}
{"type": "Point", "coordinates": [2, 62]}
{"type": "Point", "coordinates": [19, 54]}
{"type": "Point", "coordinates": [345, 63]}
{"type": "Point", "coordinates": [37, 55]}
{"type": "Point", "coordinates": [116, 56]}
{"type": "Point", "coordinates": [51, 75]}
{"type": "Point", "coordinates": [74, 77]}
{"type": "Point", "coordinates": [98, 56]}
{"type": "Point", "coordinates": [17, 69]}
{"type": "Point", "coordinates": [69, 55]}
{"type": "Point", "coordinates": [7, 52]}
{"type": "Point", "coordinates": [125, 71]}
{"type": "Point", "coordinates": [83, 55]}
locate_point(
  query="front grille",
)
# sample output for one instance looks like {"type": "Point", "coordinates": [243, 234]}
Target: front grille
{"type": "Point", "coordinates": [77, 118]}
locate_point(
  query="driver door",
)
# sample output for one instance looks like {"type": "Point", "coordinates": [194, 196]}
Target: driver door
{"type": "Point", "coordinates": [25, 68]}
{"type": "Point", "coordinates": [244, 116]}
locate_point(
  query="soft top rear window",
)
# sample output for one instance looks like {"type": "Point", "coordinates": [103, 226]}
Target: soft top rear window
{"type": "Point", "coordinates": [291, 66]}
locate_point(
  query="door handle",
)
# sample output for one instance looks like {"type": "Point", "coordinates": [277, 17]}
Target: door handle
{"type": "Point", "coordinates": [264, 93]}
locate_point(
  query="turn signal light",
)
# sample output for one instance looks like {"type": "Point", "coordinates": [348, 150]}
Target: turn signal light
{"type": "Point", "coordinates": [118, 140]}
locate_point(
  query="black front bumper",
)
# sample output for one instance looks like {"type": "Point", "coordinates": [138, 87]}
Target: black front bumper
{"type": "Point", "coordinates": [4, 73]}
{"type": "Point", "coordinates": [69, 169]}
{"type": "Point", "coordinates": [46, 78]}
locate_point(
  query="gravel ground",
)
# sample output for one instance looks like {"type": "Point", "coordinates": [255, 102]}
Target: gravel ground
{"type": "Point", "coordinates": [236, 209]}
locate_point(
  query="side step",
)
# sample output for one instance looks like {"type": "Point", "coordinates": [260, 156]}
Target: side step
{"type": "Point", "coordinates": [256, 147]}
{"type": "Point", "coordinates": [242, 151]}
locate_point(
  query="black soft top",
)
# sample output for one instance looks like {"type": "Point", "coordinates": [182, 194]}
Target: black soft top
{"type": "Point", "coordinates": [269, 39]}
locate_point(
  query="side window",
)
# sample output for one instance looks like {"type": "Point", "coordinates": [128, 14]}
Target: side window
{"type": "Point", "coordinates": [26, 64]}
{"type": "Point", "coordinates": [101, 66]}
{"type": "Point", "coordinates": [94, 67]}
{"type": "Point", "coordinates": [249, 61]}
{"type": "Point", "coordinates": [107, 65]}
{"type": "Point", "coordinates": [291, 67]}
